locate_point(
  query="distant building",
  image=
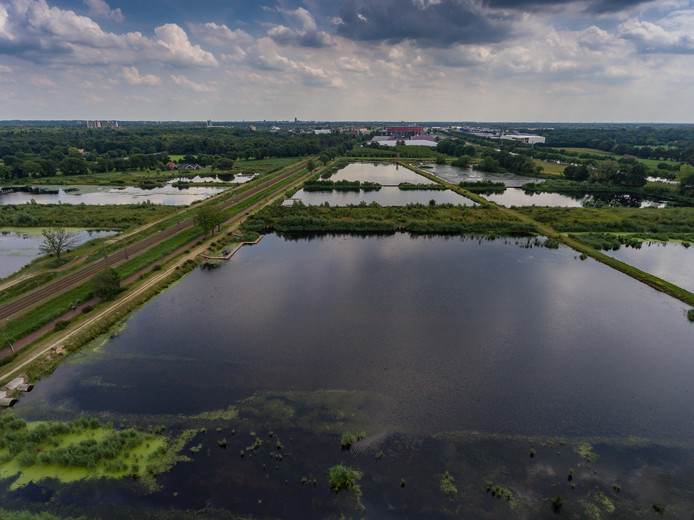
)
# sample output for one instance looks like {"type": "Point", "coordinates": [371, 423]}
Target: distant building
{"type": "Point", "coordinates": [102, 124]}
{"type": "Point", "coordinates": [524, 138]}
{"type": "Point", "coordinates": [189, 166]}
{"type": "Point", "coordinates": [419, 140]}
{"type": "Point", "coordinates": [322, 131]}
{"type": "Point", "coordinates": [404, 131]}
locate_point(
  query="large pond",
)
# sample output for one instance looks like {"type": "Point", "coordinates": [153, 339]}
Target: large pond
{"type": "Point", "coordinates": [403, 338]}
{"type": "Point", "coordinates": [382, 173]}
{"type": "Point", "coordinates": [103, 195]}
{"type": "Point", "coordinates": [518, 197]}
{"type": "Point", "coordinates": [463, 335]}
{"type": "Point", "coordinates": [670, 261]}
{"type": "Point", "coordinates": [18, 248]}
{"type": "Point", "coordinates": [386, 196]}
{"type": "Point", "coordinates": [455, 175]}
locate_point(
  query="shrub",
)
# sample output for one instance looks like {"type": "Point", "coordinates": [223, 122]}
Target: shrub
{"type": "Point", "coordinates": [343, 477]}
{"type": "Point", "coordinates": [448, 484]}
{"type": "Point", "coordinates": [61, 325]}
{"type": "Point", "coordinates": [349, 438]}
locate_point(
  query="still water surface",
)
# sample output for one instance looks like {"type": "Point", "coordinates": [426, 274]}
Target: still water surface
{"type": "Point", "coordinates": [18, 248]}
{"type": "Point", "coordinates": [670, 261]}
{"type": "Point", "coordinates": [104, 195]}
{"type": "Point", "coordinates": [455, 175]}
{"type": "Point", "coordinates": [386, 196]}
{"type": "Point", "coordinates": [452, 333]}
{"type": "Point", "coordinates": [382, 173]}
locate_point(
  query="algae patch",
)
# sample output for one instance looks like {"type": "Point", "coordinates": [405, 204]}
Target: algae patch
{"type": "Point", "coordinates": [78, 450]}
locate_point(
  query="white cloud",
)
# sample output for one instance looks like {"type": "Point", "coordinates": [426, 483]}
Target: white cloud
{"type": "Point", "coordinates": [100, 9]}
{"type": "Point", "coordinates": [306, 34]}
{"type": "Point", "coordinates": [219, 34]}
{"type": "Point", "coordinates": [667, 37]}
{"type": "Point", "coordinates": [175, 40]}
{"type": "Point", "coordinates": [133, 77]}
{"type": "Point", "coordinates": [33, 30]}
{"type": "Point", "coordinates": [183, 81]}
{"type": "Point", "coordinates": [352, 64]}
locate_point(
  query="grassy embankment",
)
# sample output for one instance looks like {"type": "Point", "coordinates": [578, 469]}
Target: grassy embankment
{"type": "Point", "coordinates": [53, 309]}
{"type": "Point", "coordinates": [137, 177]}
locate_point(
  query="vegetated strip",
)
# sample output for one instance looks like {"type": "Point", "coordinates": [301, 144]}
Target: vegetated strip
{"type": "Point", "coordinates": [297, 175]}
{"type": "Point", "coordinates": [545, 229]}
{"type": "Point", "coordinates": [26, 301]}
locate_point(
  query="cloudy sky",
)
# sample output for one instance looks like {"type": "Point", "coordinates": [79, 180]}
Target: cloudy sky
{"type": "Point", "coordinates": [512, 60]}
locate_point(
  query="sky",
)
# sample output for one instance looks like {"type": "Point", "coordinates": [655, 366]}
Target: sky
{"type": "Point", "coordinates": [431, 60]}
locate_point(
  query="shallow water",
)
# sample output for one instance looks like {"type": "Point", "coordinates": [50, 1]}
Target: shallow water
{"type": "Point", "coordinates": [459, 335]}
{"type": "Point", "coordinates": [238, 179]}
{"type": "Point", "coordinates": [518, 197]}
{"type": "Point", "coordinates": [670, 261]}
{"type": "Point", "coordinates": [382, 173]}
{"type": "Point", "coordinates": [19, 248]}
{"type": "Point", "coordinates": [402, 338]}
{"type": "Point", "coordinates": [103, 195]}
{"type": "Point", "coordinates": [386, 196]}
{"type": "Point", "coordinates": [455, 175]}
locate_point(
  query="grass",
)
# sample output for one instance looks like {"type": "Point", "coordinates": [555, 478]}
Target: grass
{"type": "Point", "coordinates": [36, 318]}
{"type": "Point", "coordinates": [550, 168]}
{"type": "Point", "coordinates": [666, 222]}
{"type": "Point", "coordinates": [82, 216]}
{"type": "Point", "coordinates": [415, 219]}
{"type": "Point", "coordinates": [350, 438]}
{"type": "Point", "coordinates": [135, 177]}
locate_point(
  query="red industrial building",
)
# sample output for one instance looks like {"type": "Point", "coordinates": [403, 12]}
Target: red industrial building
{"type": "Point", "coordinates": [405, 131]}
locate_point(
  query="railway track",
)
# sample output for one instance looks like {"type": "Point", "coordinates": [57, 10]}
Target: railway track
{"type": "Point", "coordinates": [29, 300]}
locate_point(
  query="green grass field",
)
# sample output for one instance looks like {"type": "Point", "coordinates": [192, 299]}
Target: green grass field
{"type": "Point", "coordinates": [550, 168]}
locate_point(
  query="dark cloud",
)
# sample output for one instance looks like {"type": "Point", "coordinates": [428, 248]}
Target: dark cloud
{"type": "Point", "coordinates": [431, 23]}
{"type": "Point", "coordinates": [594, 6]}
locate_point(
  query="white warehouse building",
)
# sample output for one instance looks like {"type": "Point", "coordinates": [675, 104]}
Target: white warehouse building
{"type": "Point", "coordinates": [524, 138]}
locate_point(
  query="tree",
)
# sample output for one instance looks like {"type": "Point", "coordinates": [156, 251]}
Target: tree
{"type": "Point", "coordinates": [687, 183]}
{"type": "Point", "coordinates": [462, 162]}
{"type": "Point", "coordinates": [311, 165]}
{"type": "Point", "coordinates": [576, 173]}
{"type": "Point", "coordinates": [74, 166]}
{"type": "Point", "coordinates": [605, 172]}
{"type": "Point", "coordinates": [489, 164]}
{"type": "Point", "coordinates": [636, 175]}
{"type": "Point", "coordinates": [223, 164]}
{"type": "Point", "coordinates": [107, 284]}
{"type": "Point", "coordinates": [208, 218]}
{"type": "Point", "coordinates": [56, 241]}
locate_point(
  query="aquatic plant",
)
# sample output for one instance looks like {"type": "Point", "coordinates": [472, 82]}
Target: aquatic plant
{"type": "Point", "coordinates": [557, 503]}
{"type": "Point", "coordinates": [344, 478]}
{"type": "Point", "coordinates": [447, 484]}
{"type": "Point", "coordinates": [350, 438]}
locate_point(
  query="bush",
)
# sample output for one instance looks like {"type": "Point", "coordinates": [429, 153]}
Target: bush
{"type": "Point", "coordinates": [448, 484]}
{"type": "Point", "coordinates": [344, 478]}
{"type": "Point", "coordinates": [349, 438]}
{"type": "Point", "coordinates": [107, 284]}
{"type": "Point", "coordinates": [87, 309]}
{"type": "Point", "coordinates": [61, 325]}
